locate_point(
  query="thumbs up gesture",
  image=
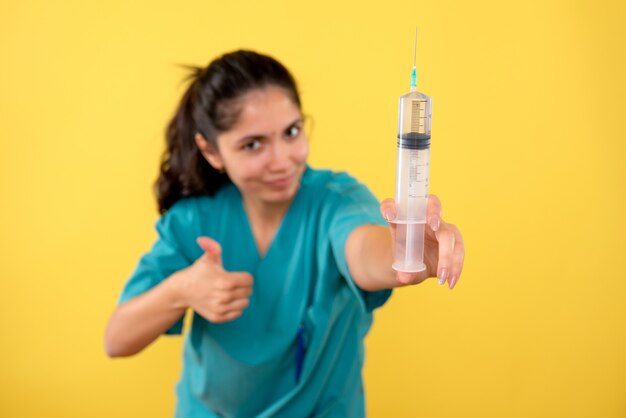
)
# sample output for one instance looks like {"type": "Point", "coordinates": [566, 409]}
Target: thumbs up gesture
{"type": "Point", "coordinates": [214, 293]}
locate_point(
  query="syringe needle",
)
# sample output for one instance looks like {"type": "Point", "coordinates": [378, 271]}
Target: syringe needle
{"type": "Point", "coordinates": [415, 48]}
{"type": "Point", "coordinates": [413, 83]}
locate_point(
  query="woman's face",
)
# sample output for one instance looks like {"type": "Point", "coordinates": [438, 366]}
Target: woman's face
{"type": "Point", "coordinates": [265, 152]}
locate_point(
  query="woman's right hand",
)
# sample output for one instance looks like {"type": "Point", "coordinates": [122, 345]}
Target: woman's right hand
{"type": "Point", "coordinates": [214, 293]}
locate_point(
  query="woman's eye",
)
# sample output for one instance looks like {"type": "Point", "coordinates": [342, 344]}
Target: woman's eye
{"type": "Point", "coordinates": [253, 145]}
{"type": "Point", "coordinates": [293, 131]}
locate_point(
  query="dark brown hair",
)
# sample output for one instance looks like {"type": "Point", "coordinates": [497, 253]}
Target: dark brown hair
{"type": "Point", "coordinates": [209, 107]}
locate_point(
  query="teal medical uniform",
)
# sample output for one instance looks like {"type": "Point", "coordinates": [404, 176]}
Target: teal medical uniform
{"type": "Point", "coordinates": [297, 350]}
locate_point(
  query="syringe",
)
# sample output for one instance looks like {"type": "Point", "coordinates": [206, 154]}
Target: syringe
{"type": "Point", "coordinates": [414, 113]}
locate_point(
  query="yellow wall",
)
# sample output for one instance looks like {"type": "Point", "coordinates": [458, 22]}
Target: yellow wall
{"type": "Point", "coordinates": [527, 156]}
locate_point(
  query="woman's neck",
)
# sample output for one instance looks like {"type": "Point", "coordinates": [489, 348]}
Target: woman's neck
{"type": "Point", "coordinates": [265, 219]}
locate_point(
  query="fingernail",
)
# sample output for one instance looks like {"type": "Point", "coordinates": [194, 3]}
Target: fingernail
{"type": "Point", "coordinates": [386, 216]}
{"type": "Point", "coordinates": [453, 282]}
{"type": "Point", "coordinates": [443, 275]}
{"type": "Point", "coordinates": [434, 224]}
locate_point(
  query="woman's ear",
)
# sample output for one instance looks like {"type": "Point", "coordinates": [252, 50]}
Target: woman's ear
{"type": "Point", "coordinates": [209, 152]}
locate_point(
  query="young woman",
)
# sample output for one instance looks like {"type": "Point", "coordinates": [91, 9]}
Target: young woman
{"type": "Point", "coordinates": [281, 264]}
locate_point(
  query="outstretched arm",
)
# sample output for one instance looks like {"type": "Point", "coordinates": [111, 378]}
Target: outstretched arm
{"type": "Point", "coordinates": [369, 251]}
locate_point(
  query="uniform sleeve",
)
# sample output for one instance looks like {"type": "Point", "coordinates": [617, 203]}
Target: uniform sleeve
{"type": "Point", "coordinates": [356, 206]}
{"type": "Point", "coordinates": [164, 258]}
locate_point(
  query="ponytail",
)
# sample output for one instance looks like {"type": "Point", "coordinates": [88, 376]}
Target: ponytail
{"type": "Point", "coordinates": [184, 172]}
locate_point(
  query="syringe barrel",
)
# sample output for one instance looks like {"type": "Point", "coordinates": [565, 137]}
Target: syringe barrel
{"type": "Point", "coordinates": [412, 167]}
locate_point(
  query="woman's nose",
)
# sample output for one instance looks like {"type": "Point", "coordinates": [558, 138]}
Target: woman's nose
{"type": "Point", "coordinates": [280, 156]}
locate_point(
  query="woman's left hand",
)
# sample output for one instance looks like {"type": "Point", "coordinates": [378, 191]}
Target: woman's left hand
{"type": "Point", "coordinates": [444, 250]}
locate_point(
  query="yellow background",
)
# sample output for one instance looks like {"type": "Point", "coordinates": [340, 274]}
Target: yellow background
{"type": "Point", "coordinates": [527, 156]}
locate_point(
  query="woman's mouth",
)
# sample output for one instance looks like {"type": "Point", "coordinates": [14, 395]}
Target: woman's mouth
{"type": "Point", "coordinates": [281, 183]}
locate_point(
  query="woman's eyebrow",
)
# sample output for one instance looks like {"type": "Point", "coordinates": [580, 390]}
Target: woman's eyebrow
{"type": "Point", "coordinates": [296, 121]}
